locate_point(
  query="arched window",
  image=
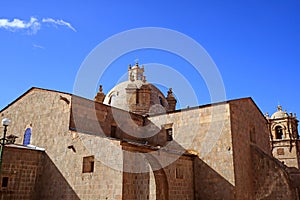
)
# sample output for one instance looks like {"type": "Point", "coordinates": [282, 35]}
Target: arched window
{"type": "Point", "coordinates": [27, 136]}
{"type": "Point", "coordinates": [161, 101]}
{"type": "Point", "coordinates": [278, 132]}
{"type": "Point", "coordinates": [111, 99]}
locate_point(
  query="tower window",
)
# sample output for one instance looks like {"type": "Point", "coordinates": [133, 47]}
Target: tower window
{"type": "Point", "coordinates": [278, 132]}
{"type": "Point", "coordinates": [169, 132]}
{"type": "Point", "coordinates": [88, 164]}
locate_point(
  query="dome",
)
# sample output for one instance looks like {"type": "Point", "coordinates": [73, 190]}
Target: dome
{"type": "Point", "coordinates": [279, 113]}
{"type": "Point", "coordinates": [120, 97]}
{"type": "Point", "coordinates": [138, 96]}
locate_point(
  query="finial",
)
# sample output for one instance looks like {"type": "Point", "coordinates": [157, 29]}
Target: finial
{"type": "Point", "coordinates": [170, 93]}
{"type": "Point", "coordinates": [267, 115]}
{"type": "Point", "coordinates": [100, 95]}
{"type": "Point", "coordinates": [136, 62]}
{"type": "Point", "coordinates": [129, 67]}
{"type": "Point", "coordinates": [171, 100]}
{"type": "Point", "coordinates": [279, 108]}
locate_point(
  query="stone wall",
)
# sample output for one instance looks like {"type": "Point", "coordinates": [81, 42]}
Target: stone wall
{"type": "Point", "coordinates": [248, 126]}
{"type": "Point", "coordinates": [173, 180]}
{"type": "Point", "coordinates": [287, 151]}
{"type": "Point", "coordinates": [270, 180]}
{"type": "Point", "coordinates": [49, 112]}
{"type": "Point", "coordinates": [206, 131]}
{"type": "Point", "coordinates": [99, 119]}
{"type": "Point", "coordinates": [21, 169]}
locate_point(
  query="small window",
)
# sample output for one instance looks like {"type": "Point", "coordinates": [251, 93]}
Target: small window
{"type": "Point", "coordinates": [4, 182]}
{"type": "Point", "coordinates": [280, 151]}
{"type": "Point", "coordinates": [179, 172]}
{"type": "Point", "coordinates": [161, 101]}
{"type": "Point", "coordinates": [113, 130]}
{"type": "Point", "coordinates": [111, 99]}
{"type": "Point", "coordinates": [278, 132]}
{"type": "Point", "coordinates": [88, 164]}
{"type": "Point", "coordinates": [169, 134]}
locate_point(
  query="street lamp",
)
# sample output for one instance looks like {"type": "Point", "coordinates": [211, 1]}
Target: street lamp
{"type": "Point", "coordinates": [5, 123]}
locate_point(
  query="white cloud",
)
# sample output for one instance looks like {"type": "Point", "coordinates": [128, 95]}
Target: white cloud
{"type": "Point", "coordinates": [58, 22]}
{"type": "Point", "coordinates": [32, 26]}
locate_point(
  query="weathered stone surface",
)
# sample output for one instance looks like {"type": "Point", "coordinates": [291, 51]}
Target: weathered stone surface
{"type": "Point", "coordinates": [218, 151]}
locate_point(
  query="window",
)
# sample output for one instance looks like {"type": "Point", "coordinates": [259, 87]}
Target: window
{"type": "Point", "coordinates": [27, 136]}
{"type": "Point", "coordinates": [278, 132]}
{"type": "Point", "coordinates": [169, 134]}
{"type": "Point", "coordinates": [113, 130]}
{"type": "Point", "coordinates": [161, 101]}
{"type": "Point", "coordinates": [88, 164]}
{"type": "Point", "coordinates": [111, 99]}
{"type": "Point", "coordinates": [179, 172]}
{"type": "Point", "coordinates": [280, 151]}
{"type": "Point", "coordinates": [4, 182]}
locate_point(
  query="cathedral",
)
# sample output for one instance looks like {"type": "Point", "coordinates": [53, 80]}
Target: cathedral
{"type": "Point", "coordinates": [132, 143]}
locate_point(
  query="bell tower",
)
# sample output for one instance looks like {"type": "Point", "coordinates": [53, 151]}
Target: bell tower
{"type": "Point", "coordinates": [284, 137]}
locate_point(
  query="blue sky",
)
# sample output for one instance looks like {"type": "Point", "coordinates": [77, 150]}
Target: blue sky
{"type": "Point", "coordinates": [255, 44]}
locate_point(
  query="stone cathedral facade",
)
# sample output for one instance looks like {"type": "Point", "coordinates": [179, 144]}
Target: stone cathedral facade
{"type": "Point", "coordinates": [132, 143]}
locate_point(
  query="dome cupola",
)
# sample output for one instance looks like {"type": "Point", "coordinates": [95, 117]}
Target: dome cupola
{"type": "Point", "coordinates": [138, 96]}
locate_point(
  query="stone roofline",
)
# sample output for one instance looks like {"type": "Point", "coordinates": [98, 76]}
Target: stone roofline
{"type": "Point", "coordinates": [213, 104]}
{"type": "Point", "coordinates": [144, 116]}
{"type": "Point", "coordinates": [28, 91]}
{"type": "Point", "coordinates": [19, 146]}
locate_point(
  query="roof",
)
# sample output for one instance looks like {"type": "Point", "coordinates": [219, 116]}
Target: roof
{"type": "Point", "coordinates": [179, 110]}
{"type": "Point", "coordinates": [279, 113]}
{"type": "Point", "coordinates": [28, 91]}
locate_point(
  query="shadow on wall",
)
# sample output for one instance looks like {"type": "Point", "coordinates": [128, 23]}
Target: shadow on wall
{"type": "Point", "coordinates": [51, 183]}
{"type": "Point", "coordinates": [270, 178]}
{"type": "Point", "coordinates": [88, 116]}
{"type": "Point", "coordinates": [209, 184]}
{"type": "Point", "coordinates": [205, 183]}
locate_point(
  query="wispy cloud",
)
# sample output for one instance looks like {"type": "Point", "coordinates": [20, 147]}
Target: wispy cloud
{"type": "Point", "coordinates": [38, 46]}
{"type": "Point", "coordinates": [58, 22]}
{"type": "Point", "coordinates": [33, 25]}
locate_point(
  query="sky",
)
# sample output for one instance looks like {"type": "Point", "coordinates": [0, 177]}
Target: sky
{"type": "Point", "coordinates": [255, 46]}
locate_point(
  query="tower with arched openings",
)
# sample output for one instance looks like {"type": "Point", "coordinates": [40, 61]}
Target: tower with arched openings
{"type": "Point", "coordinates": [284, 137]}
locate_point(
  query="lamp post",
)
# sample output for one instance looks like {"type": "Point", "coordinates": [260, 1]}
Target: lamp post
{"type": "Point", "coordinates": [5, 123]}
